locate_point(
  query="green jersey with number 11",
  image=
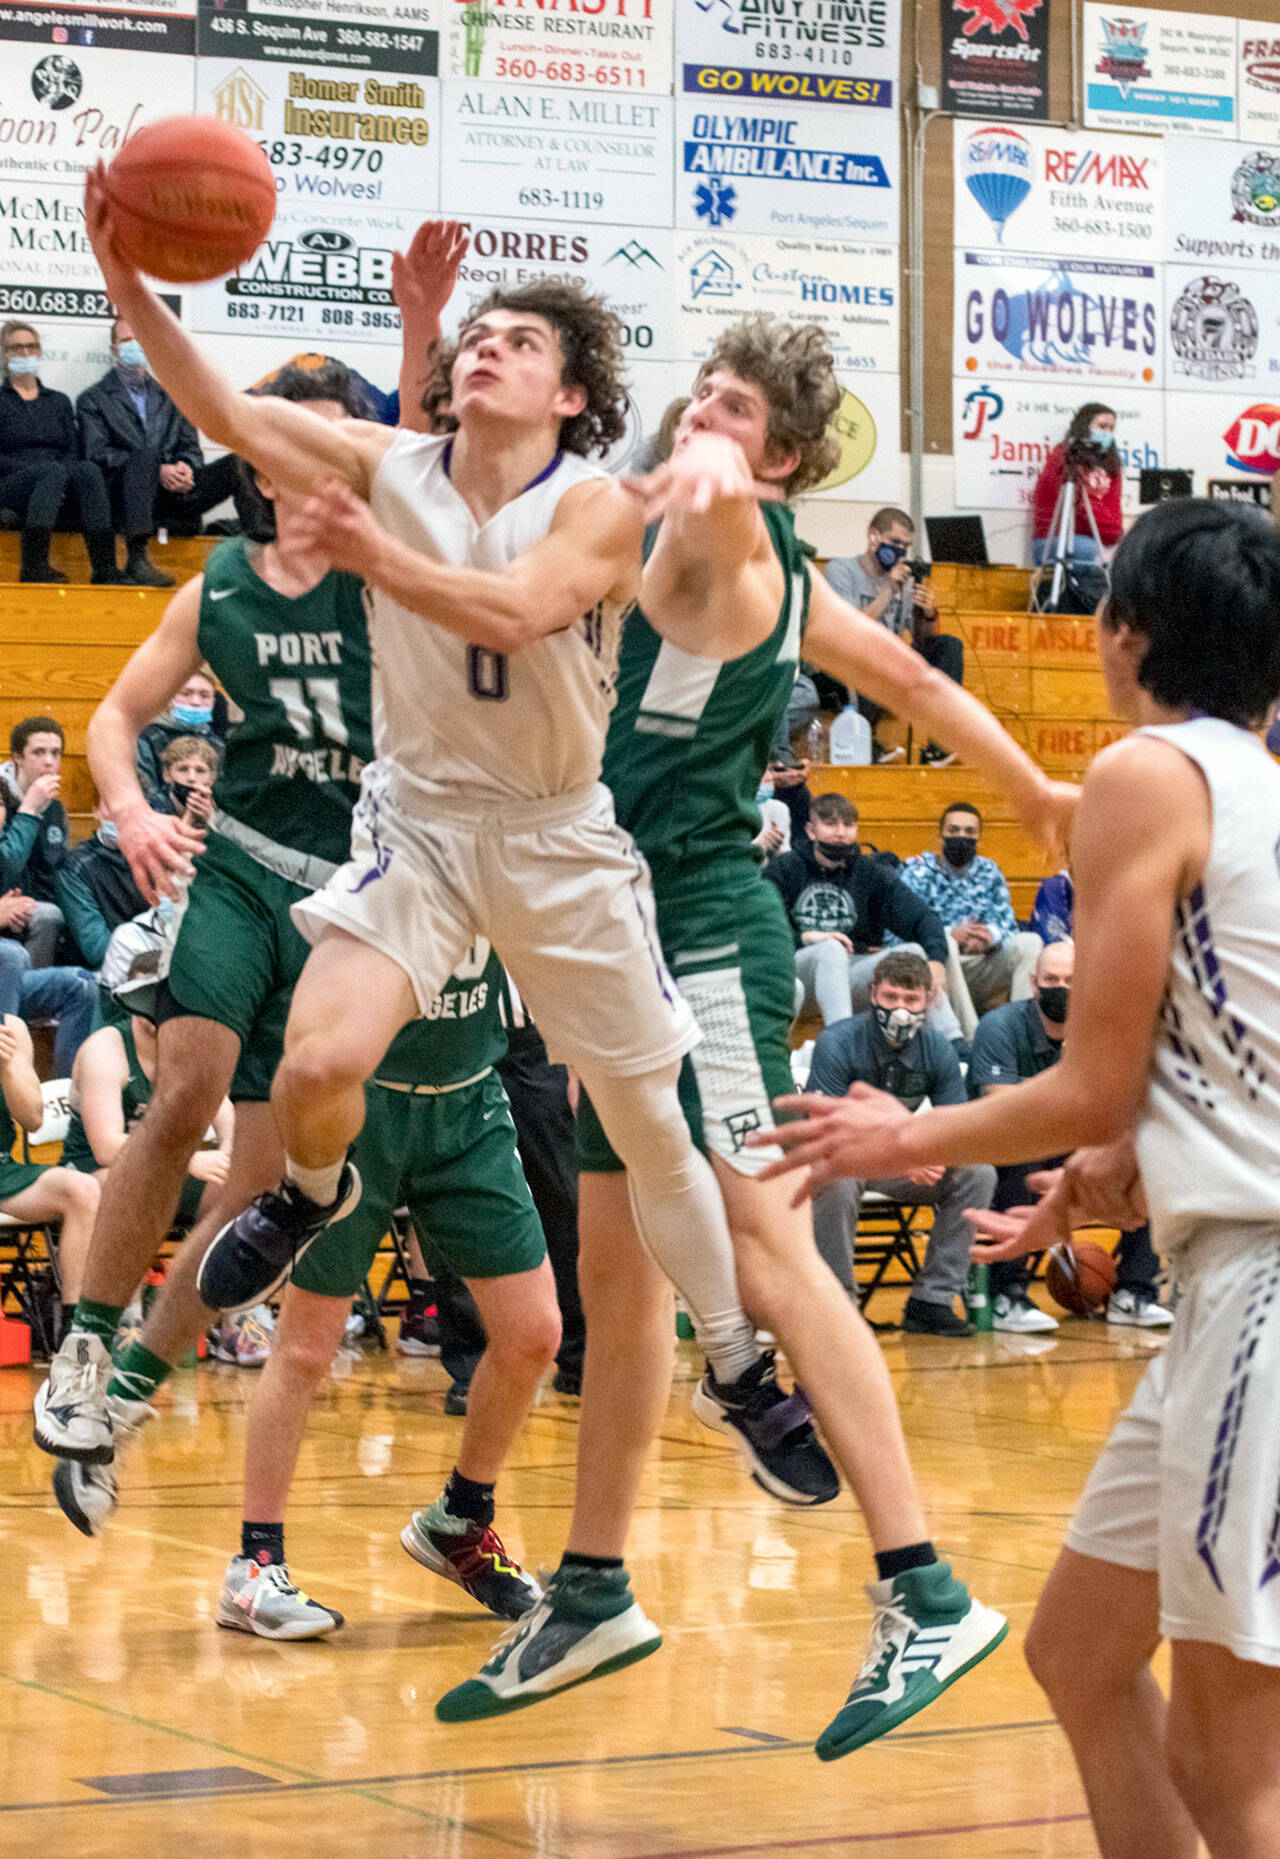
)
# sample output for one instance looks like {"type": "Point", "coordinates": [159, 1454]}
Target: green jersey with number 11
{"type": "Point", "coordinates": [298, 669]}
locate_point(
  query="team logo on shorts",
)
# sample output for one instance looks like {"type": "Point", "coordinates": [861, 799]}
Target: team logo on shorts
{"type": "Point", "coordinates": [740, 1124]}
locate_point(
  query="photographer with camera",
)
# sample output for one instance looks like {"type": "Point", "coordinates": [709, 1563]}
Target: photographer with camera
{"type": "Point", "coordinates": [888, 585]}
{"type": "Point", "coordinates": [1089, 457]}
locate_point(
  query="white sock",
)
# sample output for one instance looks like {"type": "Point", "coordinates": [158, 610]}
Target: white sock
{"type": "Point", "coordinates": [318, 1184]}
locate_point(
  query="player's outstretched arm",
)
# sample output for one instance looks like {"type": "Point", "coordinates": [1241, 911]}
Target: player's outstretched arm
{"type": "Point", "coordinates": [1141, 839]}
{"type": "Point", "coordinates": [591, 553]}
{"type": "Point", "coordinates": [19, 1083]}
{"type": "Point", "coordinates": [422, 282]}
{"type": "Point", "coordinates": [866, 657]}
{"type": "Point", "coordinates": [158, 846]}
{"type": "Point", "coordinates": [290, 443]}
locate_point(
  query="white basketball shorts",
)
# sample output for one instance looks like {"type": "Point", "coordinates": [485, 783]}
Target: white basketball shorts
{"type": "Point", "coordinates": [556, 886]}
{"type": "Point", "coordinates": [1188, 1484]}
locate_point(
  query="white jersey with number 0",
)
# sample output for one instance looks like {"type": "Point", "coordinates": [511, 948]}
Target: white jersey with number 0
{"type": "Point", "coordinates": [452, 717]}
{"type": "Point", "coordinates": [1209, 1136]}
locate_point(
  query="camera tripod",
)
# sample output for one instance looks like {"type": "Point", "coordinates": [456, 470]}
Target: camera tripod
{"type": "Point", "coordinates": [1060, 552]}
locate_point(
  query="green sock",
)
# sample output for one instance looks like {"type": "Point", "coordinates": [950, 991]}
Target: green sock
{"type": "Point", "coordinates": [587, 1593]}
{"type": "Point", "coordinates": [97, 1319]}
{"type": "Point", "coordinates": [137, 1374]}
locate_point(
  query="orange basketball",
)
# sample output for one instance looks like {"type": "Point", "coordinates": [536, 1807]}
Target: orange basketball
{"type": "Point", "coordinates": [1080, 1277]}
{"type": "Point", "coordinates": [191, 199]}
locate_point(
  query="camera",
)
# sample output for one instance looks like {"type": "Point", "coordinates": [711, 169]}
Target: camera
{"type": "Point", "coordinates": [920, 568]}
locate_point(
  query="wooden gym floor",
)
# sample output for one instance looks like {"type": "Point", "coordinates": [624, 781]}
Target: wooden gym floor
{"type": "Point", "coordinates": [133, 1725]}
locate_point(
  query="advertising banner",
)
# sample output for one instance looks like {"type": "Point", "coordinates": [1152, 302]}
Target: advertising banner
{"type": "Point", "coordinates": [867, 426]}
{"type": "Point", "coordinates": [851, 290]}
{"type": "Point", "coordinates": [1004, 433]}
{"type": "Point", "coordinates": [783, 169]}
{"type": "Point", "coordinates": [573, 155]}
{"type": "Point", "coordinates": [333, 134]}
{"type": "Point", "coordinates": [1047, 190]}
{"type": "Point", "coordinates": [384, 18]}
{"type": "Point", "coordinates": [316, 38]}
{"type": "Point", "coordinates": [790, 49]}
{"type": "Point", "coordinates": [118, 25]}
{"type": "Point", "coordinates": [1228, 203]}
{"type": "Point", "coordinates": [1145, 69]}
{"type": "Point", "coordinates": [1224, 328]}
{"type": "Point", "coordinates": [1258, 81]}
{"type": "Point", "coordinates": [616, 46]}
{"type": "Point", "coordinates": [63, 110]}
{"type": "Point", "coordinates": [1081, 319]}
{"type": "Point", "coordinates": [632, 270]}
{"type": "Point", "coordinates": [995, 58]}
{"type": "Point", "coordinates": [1231, 438]}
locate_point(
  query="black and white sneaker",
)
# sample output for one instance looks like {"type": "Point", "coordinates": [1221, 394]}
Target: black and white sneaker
{"type": "Point", "coordinates": [87, 1494]}
{"type": "Point", "coordinates": [249, 1260]}
{"type": "Point", "coordinates": [72, 1417]}
{"type": "Point", "coordinates": [772, 1431]}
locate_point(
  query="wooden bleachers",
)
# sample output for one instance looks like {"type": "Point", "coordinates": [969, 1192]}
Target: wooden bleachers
{"type": "Point", "coordinates": [181, 557]}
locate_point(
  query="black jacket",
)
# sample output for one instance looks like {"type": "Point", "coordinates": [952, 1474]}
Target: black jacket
{"type": "Point", "coordinates": [113, 432]}
{"type": "Point", "coordinates": [35, 432]}
{"type": "Point", "coordinates": [32, 847]}
{"type": "Point", "coordinates": [862, 901]}
{"type": "Point", "coordinates": [96, 892]}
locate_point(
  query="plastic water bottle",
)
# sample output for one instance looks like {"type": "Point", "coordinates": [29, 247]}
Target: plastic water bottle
{"type": "Point", "coordinates": [977, 1297]}
{"type": "Point", "coordinates": [815, 741]}
{"type": "Point", "coordinates": [851, 738]}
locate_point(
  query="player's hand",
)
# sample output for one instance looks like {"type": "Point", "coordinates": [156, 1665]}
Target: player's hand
{"type": "Point", "coordinates": [177, 477]}
{"type": "Point", "coordinates": [857, 1135]}
{"type": "Point", "coordinates": [160, 848]}
{"type": "Point", "coordinates": [337, 524]}
{"type": "Point", "coordinates": [423, 278]}
{"type": "Point", "coordinates": [42, 791]}
{"type": "Point", "coordinates": [209, 1165]}
{"type": "Point", "coordinates": [1017, 1231]}
{"type": "Point", "coordinates": [117, 272]}
{"type": "Point", "coordinates": [1048, 814]}
{"type": "Point", "coordinates": [706, 469]}
{"type": "Point", "coordinates": [1103, 1185]}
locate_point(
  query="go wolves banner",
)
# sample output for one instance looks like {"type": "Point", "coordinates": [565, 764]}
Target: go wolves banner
{"type": "Point", "coordinates": [1083, 319]}
{"type": "Point", "coordinates": [995, 58]}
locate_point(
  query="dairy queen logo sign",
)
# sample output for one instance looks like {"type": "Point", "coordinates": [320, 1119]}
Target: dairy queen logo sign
{"type": "Point", "coordinates": [1253, 440]}
{"type": "Point", "coordinates": [1214, 331]}
{"type": "Point", "coordinates": [1255, 189]}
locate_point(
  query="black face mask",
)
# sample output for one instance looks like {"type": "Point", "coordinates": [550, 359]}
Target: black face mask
{"type": "Point", "coordinates": [959, 851]}
{"type": "Point", "coordinates": [837, 855]}
{"type": "Point", "coordinates": [1053, 1004]}
{"type": "Point", "coordinates": [898, 1025]}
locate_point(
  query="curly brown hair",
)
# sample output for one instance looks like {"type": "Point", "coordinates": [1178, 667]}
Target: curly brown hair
{"type": "Point", "coordinates": [794, 368]}
{"type": "Point", "coordinates": [590, 337]}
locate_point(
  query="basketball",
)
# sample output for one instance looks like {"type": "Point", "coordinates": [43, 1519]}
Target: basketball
{"type": "Point", "coordinates": [1081, 1277]}
{"type": "Point", "coordinates": [191, 199]}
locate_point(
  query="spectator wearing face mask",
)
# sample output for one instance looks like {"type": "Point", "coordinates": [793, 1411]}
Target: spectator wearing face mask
{"type": "Point", "coordinates": [149, 454]}
{"type": "Point", "coordinates": [1016, 1042]}
{"type": "Point", "coordinates": [190, 768]}
{"type": "Point", "coordinates": [842, 903]}
{"type": "Point", "coordinates": [970, 894]}
{"type": "Point", "coordinates": [892, 1049]}
{"type": "Point", "coordinates": [190, 714]}
{"type": "Point", "coordinates": [96, 892]}
{"type": "Point", "coordinates": [880, 584]}
{"type": "Point", "coordinates": [1089, 455]}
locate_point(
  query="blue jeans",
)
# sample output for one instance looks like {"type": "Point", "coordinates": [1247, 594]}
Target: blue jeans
{"type": "Point", "coordinates": [64, 995]}
{"type": "Point", "coordinates": [1082, 549]}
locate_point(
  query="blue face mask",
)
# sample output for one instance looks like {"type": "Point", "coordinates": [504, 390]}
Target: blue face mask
{"type": "Point", "coordinates": [24, 364]}
{"type": "Point", "coordinates": [1101, 436]}
{"type": "Point", "coordinates": [889, 554]}
{"type": "Point", "coordinates": [131, 354]}
{"type": "Point", "coordinates": [194, 716]}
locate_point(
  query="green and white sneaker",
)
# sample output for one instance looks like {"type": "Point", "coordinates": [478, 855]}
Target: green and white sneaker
{"type": "Point", "coordinates": [928, 1631]}
{"type": "Point", "coordinates": [259, 1598]}
{"type": "Point", "coordinates": [586, 1624]}
{"type": "Point", "coordinates": [87, 1494]}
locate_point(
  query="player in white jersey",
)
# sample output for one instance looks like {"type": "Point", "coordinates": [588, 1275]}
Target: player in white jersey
{"type": "Point", "coordinates": [500, 563]}
{"type": "Point", "coordinates": [1173, 1046]}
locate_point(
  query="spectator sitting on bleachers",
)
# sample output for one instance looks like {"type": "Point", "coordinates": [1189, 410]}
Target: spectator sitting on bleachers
{"type": "Point", "coordinates": [1053, 912]}
{"type": "Point", "coordinates": [879, 583]}
{"type": "Point", "coordinates": [149, 454]}
{"type": "Point", "coordinates": [34, 839]}
{"type": "Point", "coordinates": [1013, 1043]}
{"type": "Point", "coordinates": [992, 955]}
{"type": "Point", "coordinates": [189, 766]}
{"type": "Point", "coordinates": [96, 892]}
{"type": "Point", "coordinates": [40, 464]}
{"type": "Point", "coordinates": [841, 903]}
{"type": "Point", "coordinates": [190, 714]}
{"type": "Point", "coordinates": [36, 1191]}
{"type": "Point", "coordinates": [893, 1050]}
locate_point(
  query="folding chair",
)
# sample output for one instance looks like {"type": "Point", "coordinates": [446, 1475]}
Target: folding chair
{"type": "Point", "coordinates": [374, 1306]}
{"type": "Point", "coordinates": [28, 1250]}
{"type": "Point", "coordinates": [885, 1238]}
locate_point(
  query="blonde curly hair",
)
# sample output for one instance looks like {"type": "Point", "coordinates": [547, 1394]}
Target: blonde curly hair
{"type": "Point", "coordinates": [792, 365]}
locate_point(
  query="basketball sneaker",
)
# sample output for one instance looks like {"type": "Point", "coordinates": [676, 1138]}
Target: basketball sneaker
{"type": "Point", "coordinates": [87, 1494]}
{"type": "Point", "coordinates": [259, 1598]}
{"type": "Point", "coordinates": [1020, 1316]}
{"type": "Point", "coordinates": [473, 1556]}
{"type": "Point", "coordinates": [928, 1631]}
{"type": "Point", "coordinates": [772, 1431]}
{"type": "Point", "coordinates": [419, 1333]}
{"type": "Point", "coordinates": [1137, 1312]}
{"type": "Point", "coordinates": [244, 1340]}
{"type": "Point", "coordinates": [72, 1418]}
{"type": "Point", "coordinates": [249, 1260]}
{"type": "Point", "coordinates": [586, 1624]}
